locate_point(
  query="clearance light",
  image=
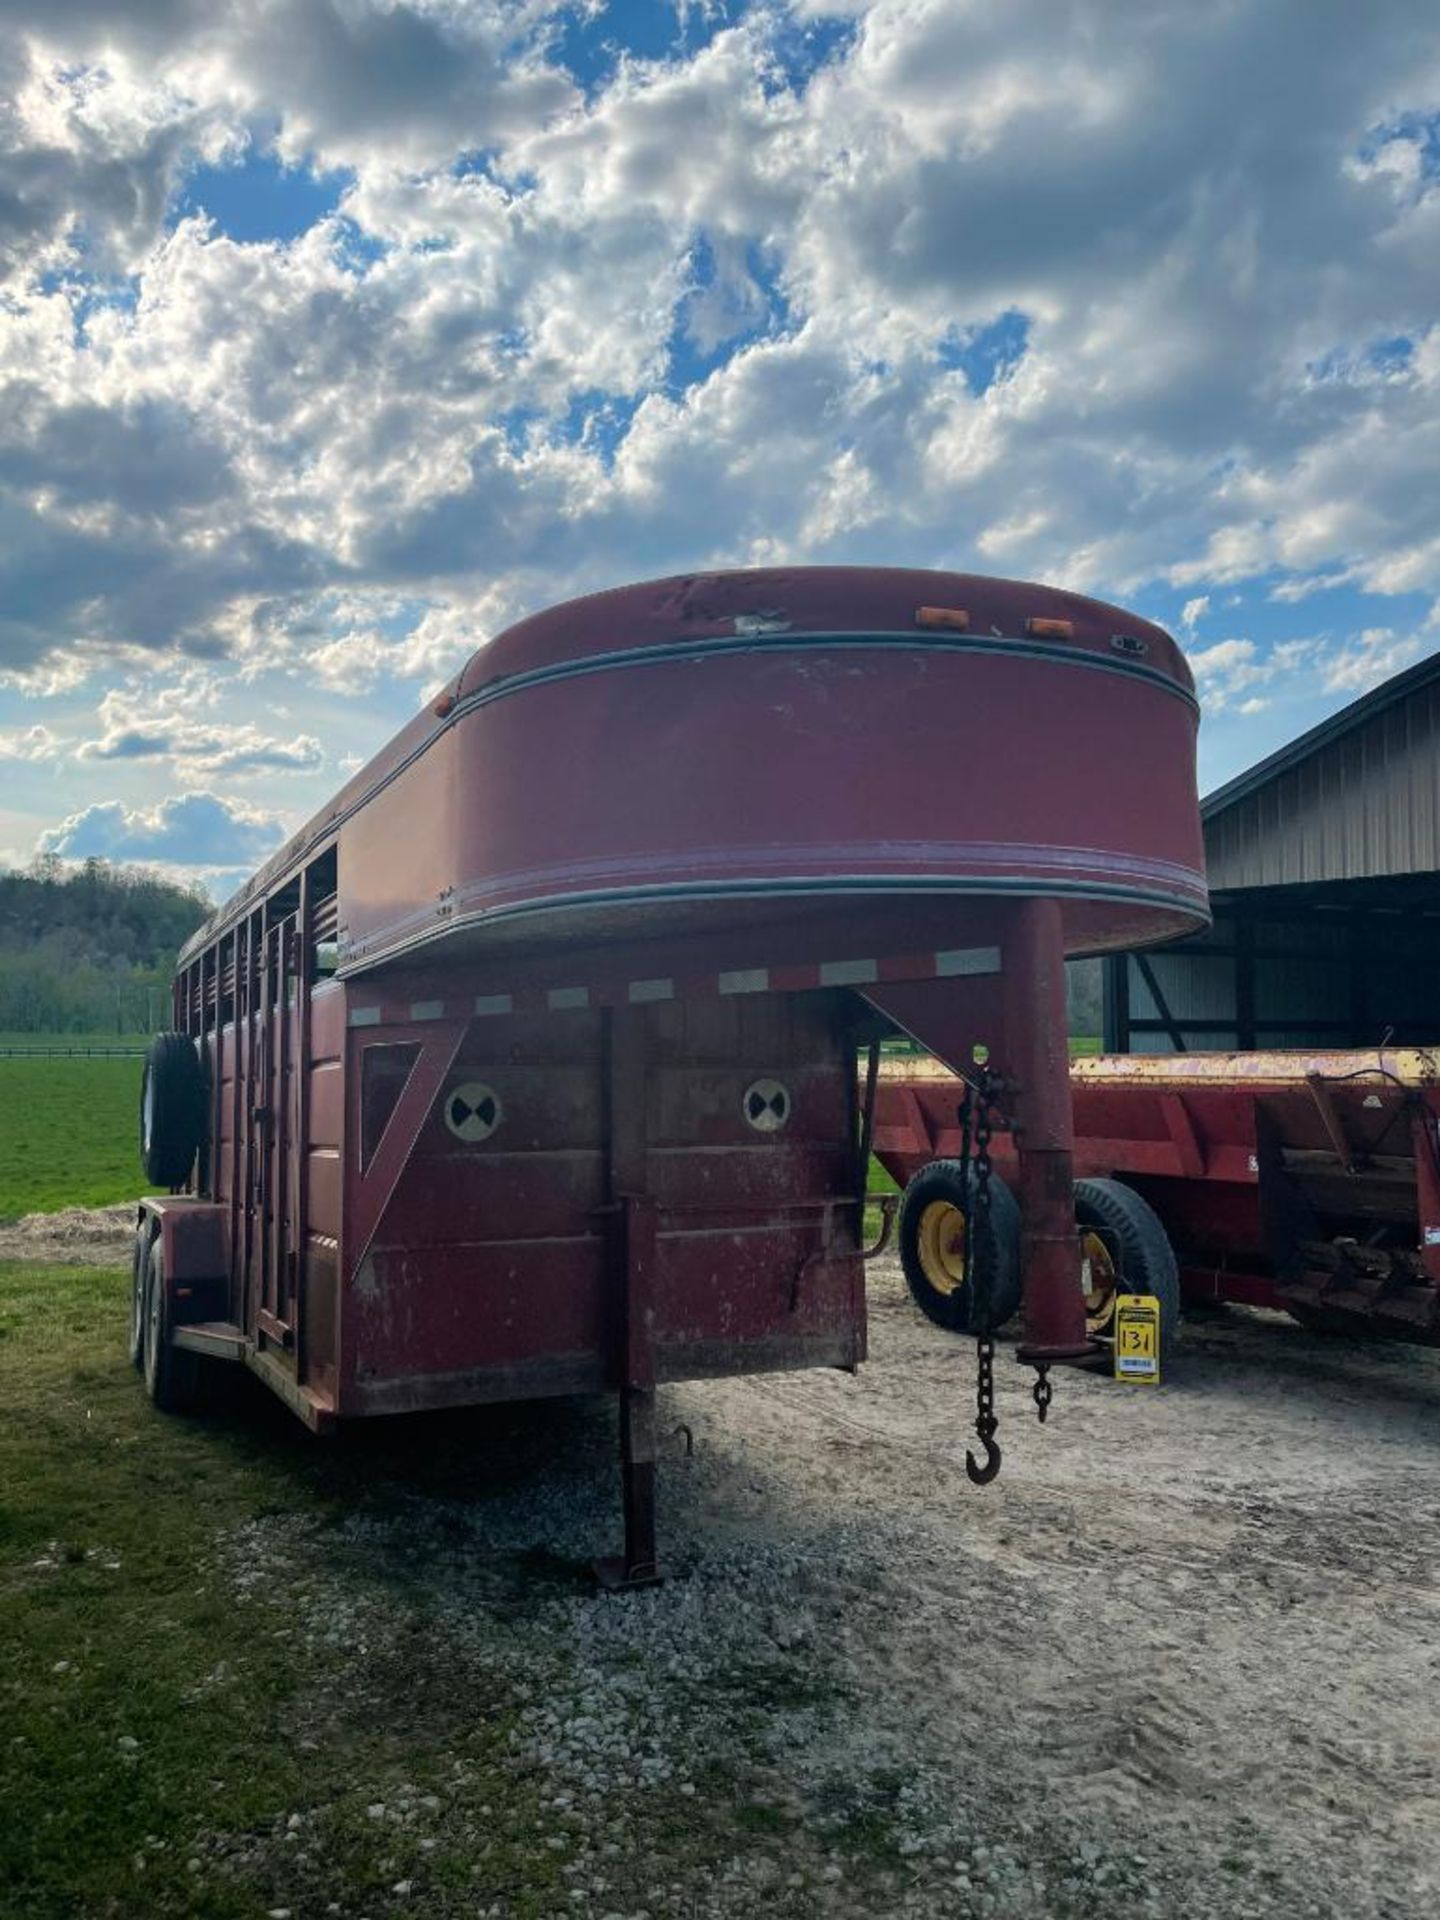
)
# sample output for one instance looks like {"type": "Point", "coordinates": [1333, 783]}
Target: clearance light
{"type": "Point", "coordinates": [955, 618]}
{"type": "Point", "coordinates": [443, 704]}
{"type": "Point", "coordinates": [1050, 629]}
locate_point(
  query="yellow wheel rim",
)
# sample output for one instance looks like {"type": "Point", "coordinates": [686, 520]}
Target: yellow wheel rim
{"type": "Point", "coordinates": [941, 1245]}
{"type": "Point", "coordinates": [1101, 1280]}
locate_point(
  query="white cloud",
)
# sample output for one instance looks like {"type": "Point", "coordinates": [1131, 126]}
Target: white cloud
{"type": "Point", "coordinates": [1372, 656]}
{"type": "Point", "coordinates": [549, 340]}
{"type": "Point", "coordinates": [1226, 671]}
{"type": "Point", "coordinates": [1194, 611]}
{"type": "Point", "coordinates": [161, 725]}
{"type": "Point", "coordinates": [191, 830]}
{"type": "Point", "coordinates": [28, 743]}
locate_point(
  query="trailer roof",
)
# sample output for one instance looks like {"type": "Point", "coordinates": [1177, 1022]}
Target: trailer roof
{"type": "Point", "coordinates": [752, 607]}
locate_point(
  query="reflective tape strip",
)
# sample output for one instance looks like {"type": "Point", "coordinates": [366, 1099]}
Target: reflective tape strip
{"type": "Point", "coordinates": [848, 973]}
{"type": "Point", "coordinates": [494, 1003]}
{"type": "Point", "coordinates": [562, 997]}
{"type": "Point", "coordinates": [642, 990]}
{"type": "Point", "coordinates": [957, 960]}
{"type": "Point", "coordinates": [427, 1009]}
{"type": "Point", "coordinates": [364, 1016]}
{"type": "Point", "coordinates": [746, 980]}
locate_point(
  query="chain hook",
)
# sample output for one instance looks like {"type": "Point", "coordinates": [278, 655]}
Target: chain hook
{"type": "Point", "coordinates": [976, 1130]}
{"type": "Point", "coordinates": [982, 1475]}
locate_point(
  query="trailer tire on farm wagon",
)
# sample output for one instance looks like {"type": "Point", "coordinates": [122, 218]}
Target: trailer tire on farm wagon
{"type": "Point", "coordinates": [529, 1065]}
{"type": "Point", "coordinates": [1122, 1244]}
{"type": "Point", "coordinates": [1124, 1249]}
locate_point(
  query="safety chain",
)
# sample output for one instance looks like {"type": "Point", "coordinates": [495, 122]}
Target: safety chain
{"type": "Point", "coordinates": [1043, 1391]}
{"type": "Point", "coordinates": [976, 1113]}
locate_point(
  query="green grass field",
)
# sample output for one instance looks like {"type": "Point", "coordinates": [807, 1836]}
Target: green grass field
{"type": "Point", "coordinates": [153, 1714]}
{"type": "Point", "coordinates": [67, 1133]}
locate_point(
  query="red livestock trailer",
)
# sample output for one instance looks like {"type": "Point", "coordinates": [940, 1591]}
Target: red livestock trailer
{"type": "Point", "coordinates": [528, 1066]}
{"type": "Point", "coordinates": [1298, 1180]}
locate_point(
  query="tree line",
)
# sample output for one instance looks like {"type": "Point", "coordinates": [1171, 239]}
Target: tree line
{"type": "Point", "coordinates": [91, 949]}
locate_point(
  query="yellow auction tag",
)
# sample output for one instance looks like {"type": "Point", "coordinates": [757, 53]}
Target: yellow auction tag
{"type": "Point", "coordinates": [1137, 1338]}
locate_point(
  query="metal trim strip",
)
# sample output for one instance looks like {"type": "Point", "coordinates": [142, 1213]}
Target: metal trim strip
{"type": "Point", "coordinates": [296, 853]}
{"type": "Point", "coordinates": [717, 646]}
{"type": "Point", "coordinates": [1194, 904]}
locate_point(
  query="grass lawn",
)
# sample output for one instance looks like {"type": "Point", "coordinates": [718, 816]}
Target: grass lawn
{"type": "Point", "coordinates": [152, 1716]}
{"type": "Point", "coordinates": [68, 1134]}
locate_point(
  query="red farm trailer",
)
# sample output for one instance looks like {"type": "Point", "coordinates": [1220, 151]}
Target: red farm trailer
{"type": "Point", "coordinates": [1297, 1180]}
{"type": "Point", "coordinates": [529, 1065]}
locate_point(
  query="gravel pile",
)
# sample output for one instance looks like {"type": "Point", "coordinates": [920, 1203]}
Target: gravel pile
{"type": "Point", "coordinates": [1174, 1663]}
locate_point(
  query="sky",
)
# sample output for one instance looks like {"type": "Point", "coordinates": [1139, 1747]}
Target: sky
{"type": "Point", "coordinates": [339, 334]}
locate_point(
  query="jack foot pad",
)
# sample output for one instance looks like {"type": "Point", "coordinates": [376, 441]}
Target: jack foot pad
{"type": "Point", "coordinates": [615, 1575]}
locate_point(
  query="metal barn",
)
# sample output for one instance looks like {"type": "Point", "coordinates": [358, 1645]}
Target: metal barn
{"type": "Point", "coordinates": [1324, 869]}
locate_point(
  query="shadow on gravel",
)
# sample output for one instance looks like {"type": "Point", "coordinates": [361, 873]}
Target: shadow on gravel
{"type": "Point", "coordinates": [1246, 1346]}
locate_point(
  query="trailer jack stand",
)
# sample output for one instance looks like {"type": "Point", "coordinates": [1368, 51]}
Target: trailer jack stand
{"type": "Point", "coordinates": [637, 1566]}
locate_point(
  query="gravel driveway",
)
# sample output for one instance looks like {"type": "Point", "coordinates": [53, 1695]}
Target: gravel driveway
{"type": "Point", "coordinates": [1182, 1658]}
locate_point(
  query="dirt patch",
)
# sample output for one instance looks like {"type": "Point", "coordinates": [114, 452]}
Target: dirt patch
{"type": "Point", "coordinates": [73, 1237]}
{"type": "Point", "coordinates": [1178, 1661]}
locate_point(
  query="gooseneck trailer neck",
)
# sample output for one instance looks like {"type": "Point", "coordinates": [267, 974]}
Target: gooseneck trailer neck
{"type": "Point", "coordinates": [531, 1057]}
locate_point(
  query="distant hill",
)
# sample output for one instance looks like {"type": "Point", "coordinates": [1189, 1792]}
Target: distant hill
{"type": "Point", "coordinates": [90, 950]}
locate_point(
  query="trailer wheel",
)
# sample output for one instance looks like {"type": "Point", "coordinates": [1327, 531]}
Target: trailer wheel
{"type": "Point", "coordinates": [170, 1372]}
{"type": "Point", "coordinates": [172, 1109]}
{"type": "Point", "coordinates": [1126, 1250]}
{"type": "Point", "coordinates": [934, 1251]}
{"type": "Point", "coordinates": [139, 1273]}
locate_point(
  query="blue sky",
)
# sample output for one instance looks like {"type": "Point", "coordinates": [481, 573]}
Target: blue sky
{"type": "Point", "coordinates": [340, 333]}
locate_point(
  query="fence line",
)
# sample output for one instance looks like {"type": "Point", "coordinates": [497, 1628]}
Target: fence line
{"type": "Point", "coordinates": [65, 1053]}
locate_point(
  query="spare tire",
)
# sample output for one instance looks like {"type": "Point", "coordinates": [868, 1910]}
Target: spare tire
{"type": "Point", "coordinates": [934, 1247]}
{"type": "Point", "coordinates": [172, 1109]}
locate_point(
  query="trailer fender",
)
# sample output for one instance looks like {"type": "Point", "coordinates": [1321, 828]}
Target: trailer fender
{"type": "Point", "coordinates": [194, 1240]}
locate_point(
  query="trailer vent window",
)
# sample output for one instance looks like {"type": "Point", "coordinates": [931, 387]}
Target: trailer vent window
{"type": "Point", "coordinates": [766, 1105]}
{"type": "Point", "coordinates": [383, 1073]}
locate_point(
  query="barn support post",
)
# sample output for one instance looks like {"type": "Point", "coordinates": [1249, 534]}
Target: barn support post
{"type": "Point", "coordinates": [632, 1214]}
{"type": "Point", "coordinates": [1037, 1068]}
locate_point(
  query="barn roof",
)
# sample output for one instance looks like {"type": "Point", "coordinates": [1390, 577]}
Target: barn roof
{"type": "Point", "coordinates": [1358, 796]}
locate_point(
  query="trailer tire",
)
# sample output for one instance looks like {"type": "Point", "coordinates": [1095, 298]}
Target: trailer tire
{"type": "Point", "coordinates": [139, 1271]}
{"type": "Point", "coordinates": [934, 1215]}
{"type": "Point", "coordinates": [171, 1374]}
{"type": "Point", "coordinates": [1138, 1246]}
{"type": "Point", "coordinates": [172, 1109]}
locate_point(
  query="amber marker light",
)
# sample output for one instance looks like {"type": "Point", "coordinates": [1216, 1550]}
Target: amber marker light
{"type": "Point", "coordinates": [954, 618]}
{"type": "Point", "coordinates": [1050, 629]}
